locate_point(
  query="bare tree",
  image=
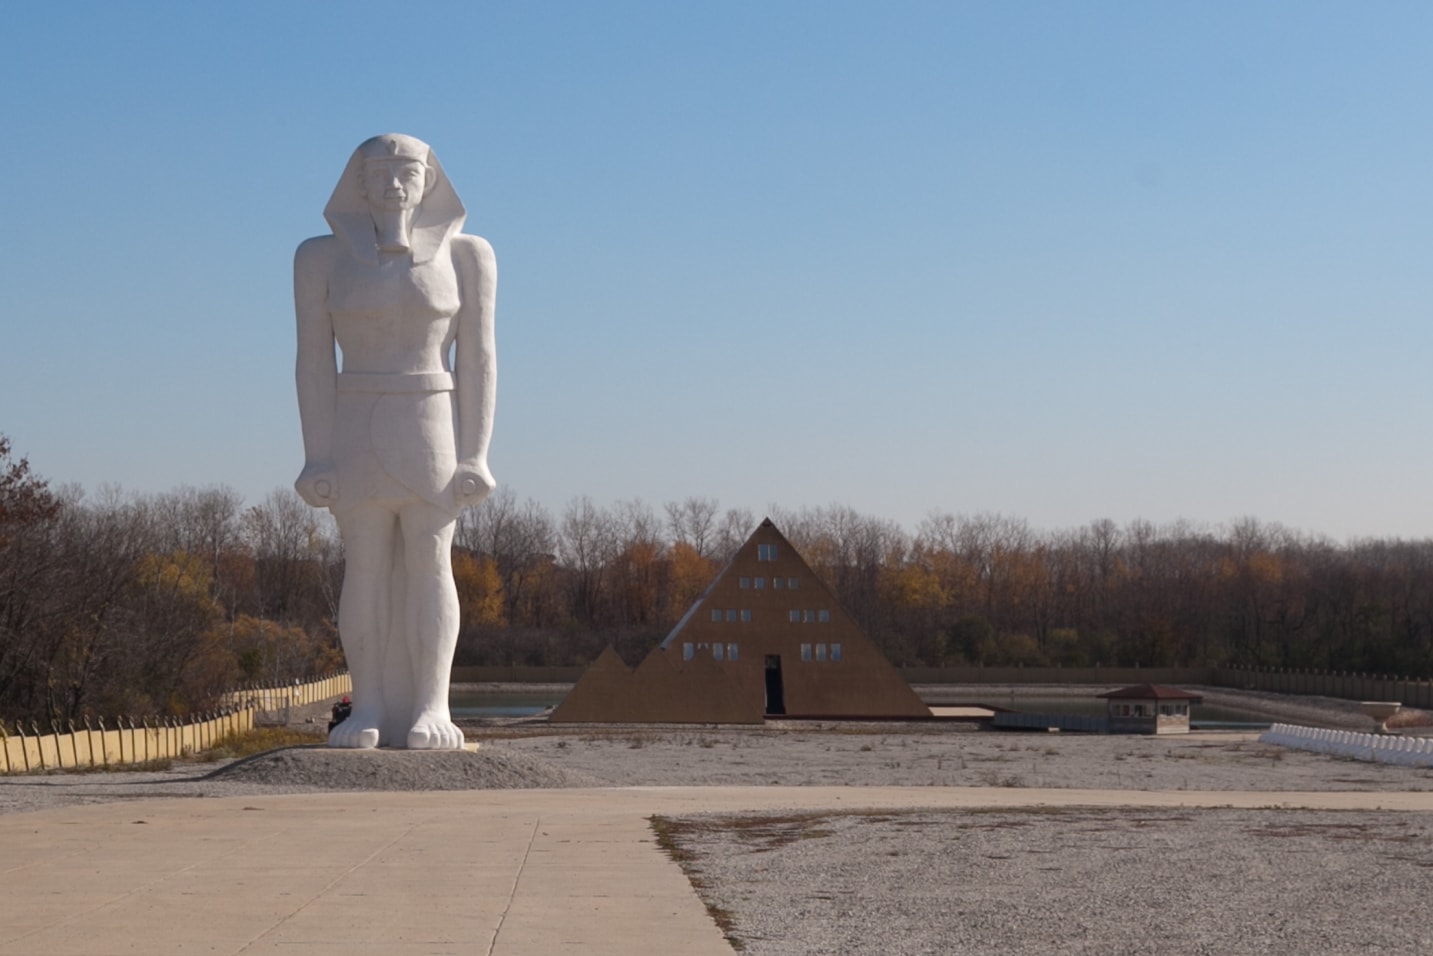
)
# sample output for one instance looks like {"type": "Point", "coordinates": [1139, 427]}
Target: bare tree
{"type": "Point", "coordinates": [587, 541]}
{"type": "Point", "coordinates": [735, 527]}
{"type": "Point", "coordinates": [693, 522]}
{"type": "Point", "coordinates": [286, 539]}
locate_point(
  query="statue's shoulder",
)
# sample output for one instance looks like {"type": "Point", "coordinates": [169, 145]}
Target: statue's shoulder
{"type": "Point", "coordinates": [316, 252]}
{"type": "Point", "coordinates": [473, 251]}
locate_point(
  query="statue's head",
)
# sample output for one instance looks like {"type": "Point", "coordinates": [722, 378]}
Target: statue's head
{"type": "Point", "coordinates": [394, 173]}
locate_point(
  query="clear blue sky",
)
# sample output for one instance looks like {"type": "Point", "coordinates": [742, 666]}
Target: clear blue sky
{"type": "Point", "coordinates": [1060, 261]}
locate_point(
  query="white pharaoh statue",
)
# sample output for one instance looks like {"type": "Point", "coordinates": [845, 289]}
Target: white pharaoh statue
{"type": "Point", "coordinates": [396, 442]}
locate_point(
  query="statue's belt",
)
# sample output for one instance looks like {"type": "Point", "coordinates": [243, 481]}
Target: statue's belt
{"type": "Point", "coordinates": [395, 384]}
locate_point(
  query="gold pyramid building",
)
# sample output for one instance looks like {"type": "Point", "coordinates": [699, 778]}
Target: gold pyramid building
{"type": "Point", "coordinates": [766, 638]}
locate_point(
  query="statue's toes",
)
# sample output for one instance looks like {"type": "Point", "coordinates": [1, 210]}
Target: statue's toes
{"type": "Point", "coordinates": [435, 735]}
{"type": "Point", "coordinates": [353, 738]}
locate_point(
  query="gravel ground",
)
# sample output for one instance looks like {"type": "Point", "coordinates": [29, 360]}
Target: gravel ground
{"type": "Point", "coordinates": [516, 756]}
{"type": "Point", "coordinates": [1071, 881]}
{"type": "Point", "coordinates": [921, 755]}
{"type": "Point", "coordinates": [295, 770]}
{"type": "Point", "coordinates": [531, 753]}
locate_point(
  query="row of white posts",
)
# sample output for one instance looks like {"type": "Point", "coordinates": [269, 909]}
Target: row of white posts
{"type": "Point", "coordinates": [1378, 748]}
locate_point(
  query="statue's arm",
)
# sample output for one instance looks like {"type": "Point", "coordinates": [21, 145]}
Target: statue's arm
{"type": "Point", "coordinates": [476, 368]}
{"type": "Point", "coordinates": [315, 371]}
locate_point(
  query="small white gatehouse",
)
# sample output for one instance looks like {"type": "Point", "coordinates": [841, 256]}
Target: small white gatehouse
{"type": "Point", "coordinates": [1149, 709]}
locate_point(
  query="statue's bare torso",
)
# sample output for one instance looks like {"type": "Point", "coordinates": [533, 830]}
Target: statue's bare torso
{"type": "Point", "coordinates": [396, 317]}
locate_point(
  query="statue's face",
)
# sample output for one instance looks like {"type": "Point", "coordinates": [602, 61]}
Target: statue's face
{"type": "Point", "coordinates": [395, 184]}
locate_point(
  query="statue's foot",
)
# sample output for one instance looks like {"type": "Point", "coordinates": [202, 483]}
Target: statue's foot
{"type": "Point", "coordinates": [358, 732]}
{"type": "Point", "coordinates": [435, 732]}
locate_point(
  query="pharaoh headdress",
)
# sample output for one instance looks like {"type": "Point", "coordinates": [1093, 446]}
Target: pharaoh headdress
{"type": "Point", "coordinates": [438, 217]}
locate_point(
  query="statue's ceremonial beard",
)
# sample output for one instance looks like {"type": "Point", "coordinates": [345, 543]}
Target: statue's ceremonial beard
{"type": "Point", "coordinates": [391, 229]}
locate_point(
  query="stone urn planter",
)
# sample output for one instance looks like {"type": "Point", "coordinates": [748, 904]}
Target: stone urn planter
{"type": "Point", "coordinates": [1380, 711]}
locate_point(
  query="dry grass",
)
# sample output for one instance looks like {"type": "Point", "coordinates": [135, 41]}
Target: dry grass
{"type": "Point", "coordinates": [256, 741]}
{"type": "Point", "coordinates": [145, 766]}
{"type": "Point", "coordinates": [667, 832]}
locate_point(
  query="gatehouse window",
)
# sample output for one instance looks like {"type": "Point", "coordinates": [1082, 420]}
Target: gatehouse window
{"type": "Point", "coordinates": [835, 653]}
{"type": "Point", "coordinates": [766, 552]}
{"type": "Point", "coordinates": [688, 651]}
{"type": "Point", "coordinates": [731, 652]}
{"type": "Point", "coordinates": [806, 652]}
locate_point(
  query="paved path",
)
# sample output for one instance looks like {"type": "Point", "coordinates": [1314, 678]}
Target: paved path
{"type": "Point", "coordinates": [495, 872]}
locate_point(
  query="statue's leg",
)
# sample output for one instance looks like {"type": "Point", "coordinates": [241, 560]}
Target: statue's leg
{"type": "Point", "coordinates": [396, 664]}
{"type": "Point", "coordinates": [363, 618]}
{"type": "Point", "coordinates": [431, 634]}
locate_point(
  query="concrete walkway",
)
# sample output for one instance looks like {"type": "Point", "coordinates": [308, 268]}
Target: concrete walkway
{"type": "Point", "coordinates": [497, 872]}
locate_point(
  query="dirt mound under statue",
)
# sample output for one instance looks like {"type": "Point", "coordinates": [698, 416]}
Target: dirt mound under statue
{"type": "Point", "coordinates": [324, 768]}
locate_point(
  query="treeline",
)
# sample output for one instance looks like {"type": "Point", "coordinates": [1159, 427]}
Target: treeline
{"type": "Point", "coordinates": [981, 589]}
{"type": "Point", "coordinates": [156, 603]}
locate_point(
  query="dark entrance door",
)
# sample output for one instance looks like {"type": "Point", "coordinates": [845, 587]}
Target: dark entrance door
{"type": "Point", "coordinates": [775, 696]}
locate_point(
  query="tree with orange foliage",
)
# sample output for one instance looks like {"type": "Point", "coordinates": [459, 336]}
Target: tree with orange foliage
{"type": "Point", "coordinates": [480, 591]}
{"type": "Point", "coordinates": [688, 574]}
